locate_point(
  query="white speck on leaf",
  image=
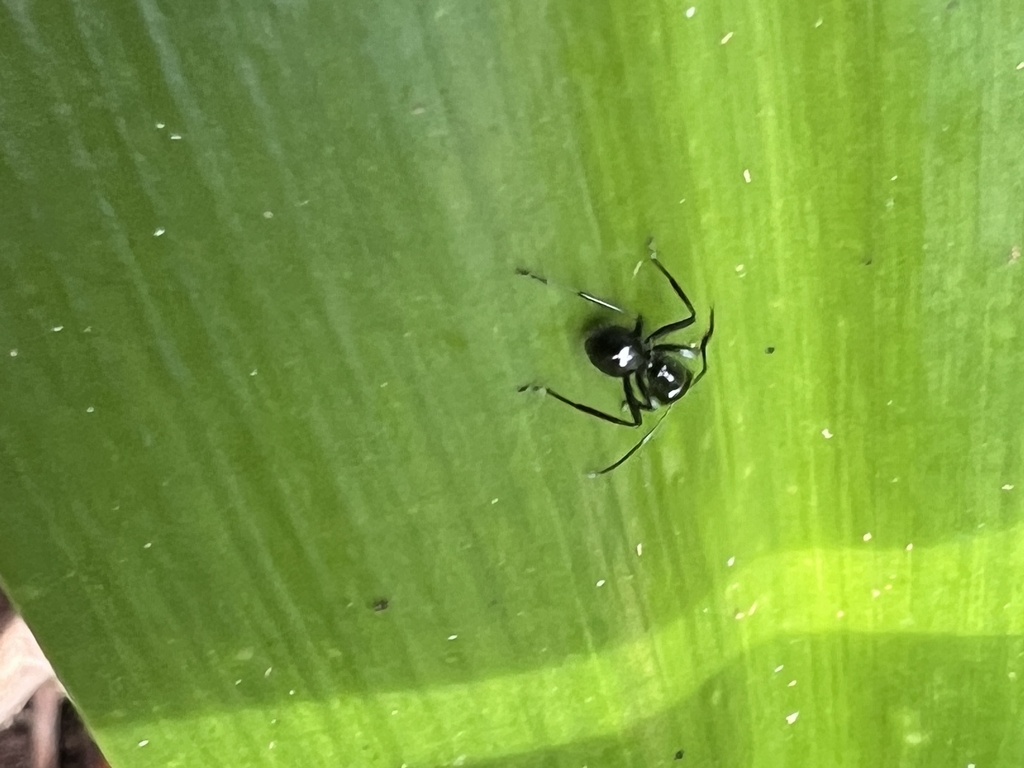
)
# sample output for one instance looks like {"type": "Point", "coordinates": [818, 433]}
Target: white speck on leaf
{"type": "Point", "coordinates": [792, 718]}
{"type": "Point", "coordinates": [867, 536]}
{"type": "Point", "coordinates": [90, 409]}
{"type": "Point", "coordinates": [1007, 487]}
{"type": "Point", "coordinates": [639, 550]}
{"type": "Point", "coordinates": [746, 175]}
{"type": "Point", "coordinates": [731, 562]}
{"type": "Point", "coordinates": [826, 433]}
{"type": "Point", "coordinates": [158, 231]}
{"type": "Point", "coordinates": [453, 637]}
{"type": "Point", "coordinates": [175, 137]}
{"type": "Point", "coordinates": [691, 12]}
{"type": "Point", "coordinates": [780, 668]}
{"type": "Point", "coordinates": [144, 743]}
{"type": "Point", "coordinates": [14, 353]}
{"type": "Point", "coordinates": [727, 38]}
{"type": "Point", "coordinates": [268, 214]}
{"type": "Point", "coordinates": [58, 328]}
{"type": "Point", "coordinates": [600, 582]}
{"type": "Point", "coordinates": [792, 683]}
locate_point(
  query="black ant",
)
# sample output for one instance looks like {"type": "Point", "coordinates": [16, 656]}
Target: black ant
{"type": "Point", "coordinates": [658, 371]}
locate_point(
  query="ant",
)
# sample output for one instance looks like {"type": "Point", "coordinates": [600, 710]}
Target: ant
{"type": "Point", "coordinates": [653, 374]}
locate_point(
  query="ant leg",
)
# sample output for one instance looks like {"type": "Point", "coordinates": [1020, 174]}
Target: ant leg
{"type": "Point", "coordinates": [582, 294]}
{"type": "Point", "coordinates": [689, 351]}
{"type": "Point", "coordinates": [638, 329]}
{"type": "Point", "coordinates": [679, 324]}
{"type": "Point", "coordinates": [645, 395]}
{"type": "Point", "coordinates": [643, 401]}
{"type": "Point", "coordinates": [632, 402]}
{"type": "Point", "coordinates": [704, 349]}
{"type": "Point", "coordinates": [634, 406]}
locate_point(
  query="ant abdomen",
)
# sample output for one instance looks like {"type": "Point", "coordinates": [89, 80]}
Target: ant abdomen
{"type": "Point", "coordinates": [615, 351]}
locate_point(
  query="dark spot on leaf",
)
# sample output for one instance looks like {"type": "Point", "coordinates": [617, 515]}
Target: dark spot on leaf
{"type": "Point", "coordinates": [679, 755]}
{"type": "Point", "coordinates": [769, 350]}
{"type": "Point", "coordinates": [381, 604]}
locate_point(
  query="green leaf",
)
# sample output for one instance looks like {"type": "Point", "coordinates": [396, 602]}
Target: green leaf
{"type": "Point", "coordinates": [262, 337]}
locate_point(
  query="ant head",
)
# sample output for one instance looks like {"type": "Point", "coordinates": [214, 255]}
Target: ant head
{"type": "Point", "coordinates": [667, 378]}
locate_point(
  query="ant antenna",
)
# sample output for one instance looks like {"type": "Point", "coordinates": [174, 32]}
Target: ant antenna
{"type": "Point", "coordinates": [643, 441]}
